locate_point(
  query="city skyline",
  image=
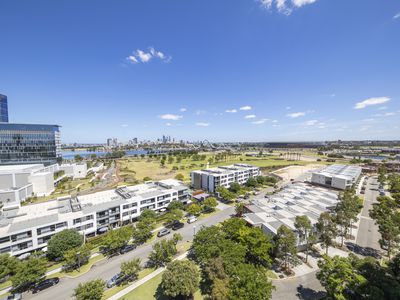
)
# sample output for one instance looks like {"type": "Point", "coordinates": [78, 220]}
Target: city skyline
{"type": "Point", "coordinates": [243, 71]}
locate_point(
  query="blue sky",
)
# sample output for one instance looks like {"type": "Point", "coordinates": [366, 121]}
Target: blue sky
{"type": "Point", "coordinates": [243, 70]}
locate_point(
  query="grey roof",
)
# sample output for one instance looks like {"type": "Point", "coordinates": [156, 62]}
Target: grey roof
{"type": "Point", "coordinates": [26, 224]}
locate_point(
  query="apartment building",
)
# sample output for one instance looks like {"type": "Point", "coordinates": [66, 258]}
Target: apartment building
{"type": "Point", "coordinates": [28, 228]}
{"type": "Point", "coordinates": [18, 182]}
{"type": "Point", "coordinates": [210, 179]}
{"type": "Point", "coordinates": [337, 176]}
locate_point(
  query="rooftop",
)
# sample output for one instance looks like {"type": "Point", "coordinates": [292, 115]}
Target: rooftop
{"type": "Point", "coordinates": [340, 171]}
{"type": "Point", "coordinates": [295, 200]}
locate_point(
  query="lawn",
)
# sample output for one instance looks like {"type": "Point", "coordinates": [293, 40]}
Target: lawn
{"type": "Point", "coordinates": [85, 268]}
{"type": "Point", "coordinates": [132, 169]}
{"type": "Point", "coordinates": [148, 291]}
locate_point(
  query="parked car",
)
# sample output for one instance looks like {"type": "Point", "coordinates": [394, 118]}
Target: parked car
{"type": "Point", "coordinates": [191, 219]}
{"type": "Point", "coordinates": [163, 232]}
{"type": "Point", "coordinates": [45, 284]}
{"type": "Point", "coordinates": [177, 225]}
{"type": "Point", "coordinates": [16, 296]}
{"type": "Point", "coordinates": [127, 248]}
{"type": "Point", "coordinates": [115, 280]}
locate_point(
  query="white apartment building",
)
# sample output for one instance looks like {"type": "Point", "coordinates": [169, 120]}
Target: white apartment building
{"type": "Point", "coordinates": [28, 228]}
{"type": "Point", "coordinates": [75, 170]}
{"type": "Point", "coordinates": [210, 179]}
{"type": "Point", "coordinates": [337, 176]}
{"type": "Point", "coordinates": [18, 182]}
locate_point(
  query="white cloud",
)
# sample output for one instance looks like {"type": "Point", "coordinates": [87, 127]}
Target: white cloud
{"type": "Point", "coordinates": [261, 121]}
{"type": "Point", "coordinates": [274, 121]}
{"type": "Point", "coordinates": [168, 124]}
{"type": "Point", "coordinates": [296, 114]}
{"type": "Point", "coordinates": [132, 59]}
{"type": "Point", "coordinates": [247, 107]}
{"type": "Point", "coordinates": [124, 125]}
{"type": "Point", "coordinates": [231, 111]}
{"type": "Point", "coordinates": [250, 116]}
{"type": "Point", "coordinates": [200, 112]}
{"type": "Point", "coordinates": [388, 114]}
{"type": "Point", "coordinates": [144, 57]}
{"type": "Point", "coordinates": [382, 108]}
{"type": "Point", "coordinates": [183, 109]}
{"type": "Point", "coordinates": [171, 117]}
{"type": "Point", "coordinates": [396, 16]}
{"type": "Point", "coordinates": [284, 6]}
{"type": "Point", "coordinates": [202, 124]}
{"type": "Point", "coordinates": [371, 101]}
{"type": "Point", "coordinates": [311, 123]}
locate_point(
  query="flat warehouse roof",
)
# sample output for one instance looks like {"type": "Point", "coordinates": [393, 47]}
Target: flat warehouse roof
{"type": "Point", "coordinates": [295, 200]}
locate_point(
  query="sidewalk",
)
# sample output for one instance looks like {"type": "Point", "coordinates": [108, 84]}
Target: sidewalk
{"type": "Point", "coordinates": [138, 283]}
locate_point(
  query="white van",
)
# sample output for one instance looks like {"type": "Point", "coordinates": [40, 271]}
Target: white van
{"type": "Point", "coordinates": [191, 219]}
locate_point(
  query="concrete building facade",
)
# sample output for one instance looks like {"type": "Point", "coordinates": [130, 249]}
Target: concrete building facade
{"type": "Point", "coordinates": [337, 176]}
{"type": "Point", "coordinates": [24, 229]}
{"type": "Point", "coordinates": [210, 179]}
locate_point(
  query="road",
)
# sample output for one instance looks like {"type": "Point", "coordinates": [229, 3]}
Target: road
{"type": "Point", "coordinates": [304, 287]}
{"type": "Point", "coordinates": [107, 268]}
{"type": "Point", "coordinates": [368, 235]}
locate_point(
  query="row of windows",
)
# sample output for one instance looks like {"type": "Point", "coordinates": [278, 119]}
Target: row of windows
{"type": "Point", "coordinates": [83, 219]}
{"type": "Point", "coordinates": [51, 228]}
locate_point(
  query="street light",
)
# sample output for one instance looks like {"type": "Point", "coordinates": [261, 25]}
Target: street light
{"type": "Point", "coordinates": [194, 230]}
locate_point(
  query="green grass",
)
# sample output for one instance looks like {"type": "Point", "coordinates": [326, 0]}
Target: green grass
{"type": "Point", "coordinates": [5, 284]}
{"type": "Point", "coordinates": [148, 291]}
{"type": "Point", "coordinates": [111, 292]}
{"type": "Point", "coordinates": [131, 169]}
{"type": "Point", "coordinates": [84, 269]}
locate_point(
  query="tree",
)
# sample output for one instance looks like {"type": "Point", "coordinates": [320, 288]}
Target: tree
{"type": "Point", "coordinates": [387, 216]}
{"type": "Point", "coordinates": [210, 202]}
{"type": "Point", "coordinates": [76, 257]}
{"type": "Point", "coordinates": [326, 229]}
{"type": "Point", "coordinates": [239, 209]}
{"type": "Point", "coordinates": [337, 276]}
{"type": "Point", "coordinates": [180, 279]}
{"type": "Point", "coordinates": [130, 269]}
{"type": "Point", "coordinates": [147, 178]}
{"type": "Point", "coordinates": [170, 159]}
{"type": "Point", "coordinates": [194, 209]}
{"type": "Point", "coordinates": [8, 265]}
{"type": "Point", "coordinates": [251, 182]}
{"type": "Point", "coordinates": [149, 215]}
{"type": "Point", "coordinates": [29, 272]}
{"type": "Point", "coordinates": [117, 238]}
{"type": "Point", "coordinates": [286, 247]}
{"type": "Point", "coordinates": [250, 282]}
{"type": "Point", "coordinates": [78, 158]}
{"type": "Point", "coordinates": [175, 205]}
{"type": "Point", "coordinates": [179, 177]}
{"type": "Point", "coordinates": [63, 241]}
{"type": "Point", "coordinates": [142, 231]}
{"type": "Point", "coordinates": [235, 187]}
{"type": "Point", "coordinates": [91, 290]}
{"type": "Point", "coordinates": [162, 253]}
{"type": "Point", "coordinates": [224, 193]}
{"type": "Point", "coordinates": [258, 245]}
{"type": "Point", "coordinates": [173, 216]}
{"type": "Point", "coordinates": [303, 226]}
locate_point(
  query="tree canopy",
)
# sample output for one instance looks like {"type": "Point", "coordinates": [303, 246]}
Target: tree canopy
{"type": "Point", "coordinates": [63, 241]}
{"type": "Point", "coordinates": [91, 290]}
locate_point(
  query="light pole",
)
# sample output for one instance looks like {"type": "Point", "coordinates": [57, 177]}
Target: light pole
{"type": "Point", "coordinates": [194, 230]}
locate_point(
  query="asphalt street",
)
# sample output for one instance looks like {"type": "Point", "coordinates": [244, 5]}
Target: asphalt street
{"type": "Point", "coordinates": [368, 235]}
{"type": "Point", "coordinates": [107, 268]}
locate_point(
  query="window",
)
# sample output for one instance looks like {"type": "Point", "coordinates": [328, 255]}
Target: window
{"type": "Point", "coordinates": [4, 239]}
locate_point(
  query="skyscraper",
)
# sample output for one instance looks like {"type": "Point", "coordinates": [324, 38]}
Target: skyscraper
{"type": "Point", "coordinates": [3, 108]}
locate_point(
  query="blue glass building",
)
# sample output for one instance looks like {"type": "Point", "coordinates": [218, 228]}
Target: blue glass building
{"type": "Point", "coordinates": [3, 108]}
{"type": "Point", "coordinates": [29, 143]}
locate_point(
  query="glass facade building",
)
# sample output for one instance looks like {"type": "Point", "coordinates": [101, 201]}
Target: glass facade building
{"type": "Point", "coordinates": [29, 143]}
{"type": "Point", "coordinates": [3, 108]}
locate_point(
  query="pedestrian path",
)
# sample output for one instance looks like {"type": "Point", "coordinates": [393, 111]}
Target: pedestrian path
{"type": "Point", "coordinates": [138, 283]}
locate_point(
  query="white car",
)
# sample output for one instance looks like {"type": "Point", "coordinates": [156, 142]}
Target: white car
{"type": "Point", "coordinates": [191, 219]}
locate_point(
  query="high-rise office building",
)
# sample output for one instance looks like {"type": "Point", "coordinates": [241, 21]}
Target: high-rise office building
{"type": "Point", "coordinates": [3, 108]}
{"type": "Point", "coordinates": [29, 143]}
